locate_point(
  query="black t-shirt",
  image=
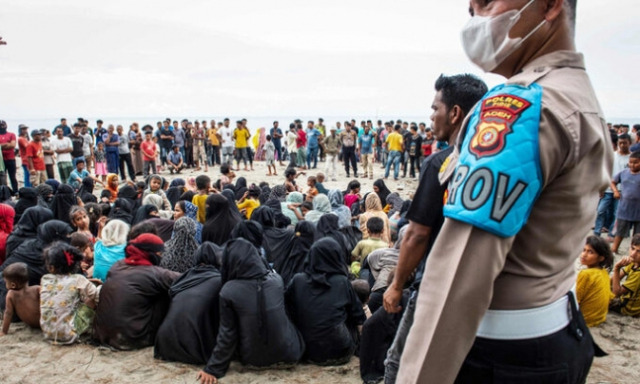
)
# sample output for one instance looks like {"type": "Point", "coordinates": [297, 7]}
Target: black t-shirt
{"type": "Point", "coordinates": [426, 207]}
{"type": "Point", "coordinates": [165, 143]}
{"type": "Point", "coordinates": [77, 142]}
{"type": "Point", "coordinates": [414, 145]}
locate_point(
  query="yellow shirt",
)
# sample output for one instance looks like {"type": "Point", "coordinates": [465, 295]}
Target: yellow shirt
{"type": "Point", "coordinates": [241, 136]}
{"type": "Point", "coordinates": [250, 205]}
{"type": "Point", "coordinates": [213, 136]}
{"type": "Point", "coordinates": [593, 293]}
{"type": "Point", "coordinates": [394, 141]}
{"type": "Point", "coordinates": [200, 202]}
{"type": "Point", "coordinates": [631, 298]}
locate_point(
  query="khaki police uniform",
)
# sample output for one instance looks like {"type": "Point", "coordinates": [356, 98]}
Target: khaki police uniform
{"type": "Point", "coordinates": [470, 270]}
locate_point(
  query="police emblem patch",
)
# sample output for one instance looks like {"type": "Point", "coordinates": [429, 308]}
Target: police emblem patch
{"type": "Point", "coordinates": [497, 115]}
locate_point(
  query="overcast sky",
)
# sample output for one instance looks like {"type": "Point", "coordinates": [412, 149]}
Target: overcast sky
{"type": "Point", "coordinates": [267, 58]}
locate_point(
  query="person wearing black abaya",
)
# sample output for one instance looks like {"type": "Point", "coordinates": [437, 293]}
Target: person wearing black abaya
{"type": "Point", "coordinates": [241, 186]}
{"type": "Point", "coordinates": [253, 321]}
{"type": "Point", "coordinates": [220, 220]}
{"type": "Point", "coordinates": [228, 193]}
{"type": "Point", "coordinates": [6, 196]}
{"type": "Point", "coordinates": [281, 220]}
{"type": "Point", "coordinates": [28, 197]}
{"type": "Point", "coordinates": [121, 210]}
{"type": "Point", "coordinates": [27, 227]}
{"type": "Point", "coordinates": [30, 252]}
{"type": "Point", "coordinates": [130, 194]}
{"type": "Point", "coordinates": [85, 193]}
{"type": "Point", "coordinates": [45, 195]}
{"type": "Point", "coordinates": [329, 226]}
{"type": "Point", "coordinates": [176, 189]}
{"type": "Point", "coordinates": [324, 306]}
{"type": "Point", "coordinates": [146, 212]}
{"type": "Point", "coordinates": [277, 242]}
{"type": "Point", "coordinates": [62, 202]}
{"type": "Point", "coordinates": [189, 331]}
{"type": "Point", "coordinates": [294, 262]}
{"type": "Point", "coordinates": [251, 231]}
{"type": "Point", "coordinates": [380, 188]}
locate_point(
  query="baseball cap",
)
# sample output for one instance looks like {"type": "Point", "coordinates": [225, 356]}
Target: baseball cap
{"type": "Point", "coordinates": [36, 132]}
{"type": "Point", "coordinates": [22, 126]}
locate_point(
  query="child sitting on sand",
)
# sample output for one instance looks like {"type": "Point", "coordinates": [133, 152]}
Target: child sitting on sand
{"type": "Point", "coordinates": [227, 175]}
{"type": "Point", "coordinates": [290, 176]}
{"type": "Point", "coordinates": [203, 183]}
{"type": "Point", "coordinates": [592, 288]}
{"type": "Point", "coordinates": [375, 227]}
{"type": "Point", "coordinates": [627, 300]}
{"type": "Point", "coordinates": [63, 317]}
{"type": "Point", "coordinates": [80, 220]}
{"type": "Point", "coordinates": [249, 201]}
{"type": "Point", "coordinates": [22, 300]}
{"type": "Point", "coordinates": [354, 193]}
{"type": "Point", "coordinates": [155, 188]}
{"type": "Point", "coordinates": [312, 191]}
{"type": "Point", "coordinates": [85, 246]}
{"type": "Point", "coordinates": [319, 184]}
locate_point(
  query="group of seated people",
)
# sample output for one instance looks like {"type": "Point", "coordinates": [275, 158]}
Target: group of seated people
{"type": "Point", "coordinates": [191, 269]}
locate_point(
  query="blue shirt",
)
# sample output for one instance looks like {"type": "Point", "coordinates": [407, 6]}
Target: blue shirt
{"type": "Point", "coordinates": [312, 138]}
{"type": "Point", "coordinates": [366, 142]}
{"type": "Point", "coordinates": [629, 204]}
{"type": "Point", "coordinates": [276, 141]}
{"type": "Point", "coordinates": [174, 158]}
{"type": "Point", "coordinates": [75, 175]}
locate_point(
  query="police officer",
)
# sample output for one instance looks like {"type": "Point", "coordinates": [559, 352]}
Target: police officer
{"type": "Point", "coordinates": [528, 167]}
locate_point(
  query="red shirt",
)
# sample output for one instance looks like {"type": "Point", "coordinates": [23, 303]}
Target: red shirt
{"type": "Point", "coordinates": [8, 153]}
{"type": "Point", "coordinates": [34, 150]}
{"type": "Point", "coordinates": [148, 147]}
{"type": "Point", "coordinates": [22, 145]}
{"type": "Point", "coordinates": [301, 141]}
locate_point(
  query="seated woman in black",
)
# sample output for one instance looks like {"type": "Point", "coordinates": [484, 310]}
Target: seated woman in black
{"type": "Point", "coordinates": [324, 306]}
{"type": "Point", "coordinates": [189, 331]}
{"type": "Point", "coordinates": [253, 322]}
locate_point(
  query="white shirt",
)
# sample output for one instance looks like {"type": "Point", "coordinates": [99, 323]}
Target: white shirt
{"type": "Point", "coordinates": [291, 136]}
{"type": "Point", "coordinates": [620, 162]}
{"type": "Point", "coordinates": [227, 136]}
{"type": "Point", "coordinates": [58, 144]}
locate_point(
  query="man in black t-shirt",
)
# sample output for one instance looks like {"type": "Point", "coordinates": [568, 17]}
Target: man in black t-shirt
{"type": "Point", "coordinates": [455, 96]}
{"type": "Point", "coordinates": [78, 143]}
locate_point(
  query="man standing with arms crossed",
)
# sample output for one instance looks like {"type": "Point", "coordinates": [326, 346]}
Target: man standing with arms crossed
{"type": "Point", "coordinates": [528, 167]}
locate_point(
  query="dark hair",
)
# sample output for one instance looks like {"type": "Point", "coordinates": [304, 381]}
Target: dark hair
{"type": "Point", "coordinates": [16, 273]}
{"type": "Point", "coordinates": [224, 169]}
{"type": "Point", "coordinates": [80, 241]}
{"type": "Point", "coordinates": [624, 136]}
{"type": "Point", "coordinates": [203, 181]}
{"type": "Point", "coordinates": [79, 160]}
{"type": "Point", "coordinates": [601, 248]}
{"type": "Point", "coordinates": [93, 211]}
{"type": "Point", "coordinates": [63, 258]}
{"type": "Point", "coordinates": [254, 191]}
{"type": "Point", "coordinates": [289, 172]}
{"type": "Point", "coordinates": [375, 225]}
{"type": "Point", "coordinates": [362, 290]}
{"type": "Point", "coordinates": [268, 137]}
{"type": "Point", "coordinates": [462, 90]}
{"type": "Point", "coordinates": [312, 178]}
{"type": "Point", "coordinates": [156, 177]}
{"type": "Point", "coordinates": [635, 155]}
{"type": "Point", "coordinates": [353, 184]}
{"type": "Point", "coordinates": [635, 240]}
{"type": "Point", "coordinates": [140, 228]}
{"type": "Point", "coordinates": [307, 205]}
{"type": "Point", "coordinates": [105, 209]}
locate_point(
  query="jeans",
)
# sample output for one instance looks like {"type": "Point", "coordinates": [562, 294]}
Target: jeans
{"type": "Point", "coordinates": [149, 165]}
{"type": "Point", "coordinates": [392, 362]}
{"type": "Point", "coordinates": [349, 155]}
{"type": "Point", "coordinates": [394, 157]}
{"type": "Point", "coordinates": [415, 163]}
{"type": "Point", "coordinates": [278, 152]}
{"type": "Point", "coordinates": [312, 154]}
{"type": "Point", "coordinates": [27, 182]}
{"type": "Point", "coordinates": [606, 217]}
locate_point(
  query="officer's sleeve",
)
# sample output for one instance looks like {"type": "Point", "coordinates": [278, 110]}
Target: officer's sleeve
{"type": "Point", "coordinates": [455, 293]}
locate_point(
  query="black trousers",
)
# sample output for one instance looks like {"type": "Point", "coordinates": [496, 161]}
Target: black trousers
{"type": "Point", "coordinates": [349, 155]}
{"type": "Point", "coordinates": [10, 170]}
{"type": "Point", "coordinates": [126, 158]}
{"type": "Point", "coordinates": [562, 357]}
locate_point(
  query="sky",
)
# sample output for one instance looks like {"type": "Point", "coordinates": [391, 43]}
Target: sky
{"type": "Point", "coordinates": [267, 58]}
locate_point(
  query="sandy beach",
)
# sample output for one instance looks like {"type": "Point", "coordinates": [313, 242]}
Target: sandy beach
{"type": "Point", "coordinates": [27, 358]}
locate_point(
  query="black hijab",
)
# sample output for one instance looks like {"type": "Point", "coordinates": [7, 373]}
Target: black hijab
{"type": "Point", "coordinates": [130, 194]}
{"type": "Point", "coordinates": [122, 210]}
{"type": "Point", "coordinates": [265, 216]}
{"type": "Point", "coordinates": [62, 202]}
{"type": "Point", "coordinates": [187, 196]}
{"type": "Point", "coordinates": [45, 195]}
{"type": "Point", "coordinates": [250, 231]}
{"type": "Point", "coordinates": [208, 259]}
{"type": "Point", "coordinates": [325, 260]}
{"type": "Point", "coordinates": [302, 242]}
{"type": "Point", "coordinates": [86, 191]}
{"type": "Point", "coordinates": [5, 195]}
{"type": "Point", "coordinates": [282, 221]}
{"type": "Point", "coordinates": [144, 213]}
{"type": "Point", "coordinates": [176, 189]}
{"type": "Point", "coordinates": [27, 227]}
{"type": "Point", "coordinates": [265, 192]}
{"type": "Point", "coordinates": [28, 197]}
{"type": "Point", "coordinates": [220, 220]}
{"type": "Point", "coordinates": [329, 227]}
{"type": "Point", "coordinates": [229, 194]}
{"type": "Point", "coordinates": [383, 191]}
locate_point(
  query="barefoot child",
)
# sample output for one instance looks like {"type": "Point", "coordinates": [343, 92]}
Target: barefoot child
{"type": "Point", "coordinates": [592, 287]}
{"type": "Point", "coordinates": [227, 175]}
{"type": "Point", "coordinates": [63, 317]}
{"type": "Point", "coordinates": [22, 300]}
{"type": "Point", "coordinates": [101, 162]}
{"type": "Point", "coordinates": [312, 191]}
{"type": "Point", "coordinates": [290, 176]}
{"type": "Point", "coordinates": [270, 156]}
{"type": "Point", "coordinates": [628, 215]}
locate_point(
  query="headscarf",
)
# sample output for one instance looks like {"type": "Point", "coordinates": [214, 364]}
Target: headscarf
{"type": "Point", "coordinates": [338, 207]}
{"type": "Point", "coordinates": [6, 227]}
{"type": "Point", "coordinates": [208, 259]}
{"type": "Point", "coordinates": [328, 227]}
{"type": "Point", "coordinates": [228, 193]}
{"type": "Point", "coordinates": [187, 196]}
{"type": "Point", "coordinates": [28, 197]}
{"type": "Point", "coordinates": [6, 194]}
{"type": "Point", "coordinates": [209, 254]}
{"type": "Point", "coordinates": [53, 183]}
{"type": "Point", "coordinates": [143, 250]}
{"type": "Point", "coordinates": [191, 211]}
{"type": "Point", "coordinates": [114, 233]}
{"type": "Point", "coordinates": [27, 226]}
{"type": "Point", "coordinates": [292, 198]}
{"type": "Point", "coordinates": [178, 256]}
{"type": "Point", "coordinates": [264, 216]}
{"type": "Point", "coordinates": [282, 221]}
{"type": "Point", "coordinates": [86, 191]}
{"type": "Point", "coordinates": [321, 206]}
{"type": "Point", "coordinates": [372, 203]}
{"type": "Point", "coordinates": [114, 191]}
{"type": "Point", "coordinates": [325, 260]}
{"type": "Point", "coordinates": [145, 213]}
{"type": "Point", "coordinates": [383, 191]}
{"type": "Point", "coordinates": [191, 184]}
{"type": "Point", "coordinates": [62, 202]}
{"type": "Point", "coordinates": [176, 189]}
{"type": "Point", "coordinates": [241, 182]}
{"type": "Point", "coordinates": [395, 202]}
{"type": "Point", "coordinates": [45, 195]}
{"type": "Point", "coordinates": [154, 199]}
{"type": "Point", "coordinates": [121, 210]}
{"type": "Point", "coordinates": [265, 192]}
{"type": "Point", "coordinates": [294, 262]}
{"type": "Point", "coordinates": [220, 220]}
{"type": "Point", "coordinates": [278, 192]}
{"type": "Point", "coordinates": [249, 230]}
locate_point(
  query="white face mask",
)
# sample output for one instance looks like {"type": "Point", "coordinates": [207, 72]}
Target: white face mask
{"type": "Point", "coordinates": [486, 40]}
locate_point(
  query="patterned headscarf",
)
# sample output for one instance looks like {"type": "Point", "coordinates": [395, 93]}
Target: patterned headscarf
{"type": "Point", "coordinates": [278, 192]}
{"type": "Point", "coordinates": [180, 250]}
